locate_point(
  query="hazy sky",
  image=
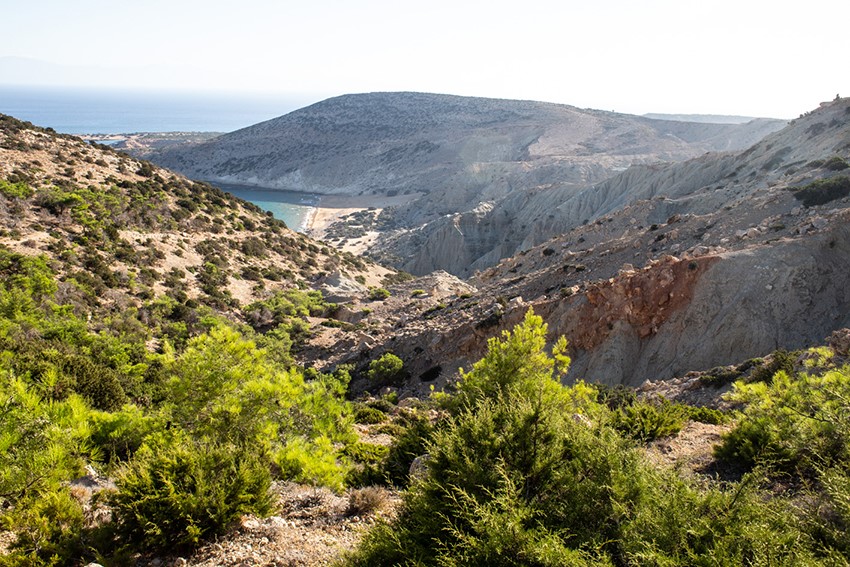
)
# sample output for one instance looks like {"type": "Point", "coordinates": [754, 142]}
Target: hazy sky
{"type": "Point", "coordinates": [723, 57]}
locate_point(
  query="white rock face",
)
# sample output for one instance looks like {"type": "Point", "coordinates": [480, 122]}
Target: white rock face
{"type": "Point", "coordinates": [338, 288]}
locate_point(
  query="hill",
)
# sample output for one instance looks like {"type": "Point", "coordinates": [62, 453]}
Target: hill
{"type": "Point", "coordinates": [131, 230]}
{"type": "Point", "coordinates": [152, 327]}
{"type": "Point", "coordinates": [458, 155]}
{"type": "Point", "coordinates": [657, 271]}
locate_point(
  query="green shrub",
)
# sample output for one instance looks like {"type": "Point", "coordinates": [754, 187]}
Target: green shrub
{"type": "Point", "coordinates": [823, 191]}
{"type": "Point", "coordinates": [49, 531]}
{"type": "Point", "coordinates": [517, 365]}
{"type": "Point", "coordinates": [224, 389]}
{"type": "Point", "coordinates": [707, 415]}
{"type": "Point", "coordinates": [781, 360]}
{"type": "Point", "coordinates": [387, 369]}
{"type": "Point", "coordinates": [175, 495]}
{"type": "Point", "coordinates": [645, 421]}
{"type": "Point", "coordinates": [795, 422]}
{"type": "Point", "coordinates": [378, 293]}
{"type": "Point", "coordinates": [515, 479]}
{"type": "Point", "coordinates": [411, 442]}
{"type": "Point", "coordinates": [397, 278]}
{"type": "Point", "coordinates": [836, 163]}
{"type": "Point", "coordinates": [366, 453]}
{"type": "Point", "coordinates": [615, 397]}
{"type": "Point", "coordinates": [433, 310]}
{"type": "Point", "coordinates": [16, 190]}
{"type": "Point", "coordinates": [120, 434]}
{"type": "Point", "coordinates": [42, 445]}
{"type": "Point", "coordinates": [368, 415]}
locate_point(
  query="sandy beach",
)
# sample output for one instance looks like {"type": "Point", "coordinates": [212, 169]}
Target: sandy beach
{"type": "Point", "coordinates": [332, 207]}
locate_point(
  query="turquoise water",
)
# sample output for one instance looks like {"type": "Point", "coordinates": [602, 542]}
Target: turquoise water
{"type": "Point", "coordinates": [292, 207]}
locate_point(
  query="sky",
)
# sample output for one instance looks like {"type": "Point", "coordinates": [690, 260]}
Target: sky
{"type": "Point", "coordinates": [741, 57]}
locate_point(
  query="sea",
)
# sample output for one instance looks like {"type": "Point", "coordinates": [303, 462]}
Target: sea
{"type": "Point", "coordinates": [292, 207]}
{"type": "Point", "coordinates": [111, 111]}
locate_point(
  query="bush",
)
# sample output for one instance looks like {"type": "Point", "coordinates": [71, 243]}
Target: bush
{"type": "Point", "coordinates": [836, 163]}
{"type": "Point", "coordinates": [367, 501]}
{"type": "Point", "coordinates": [16, 190]}
{"type": "Point", "coordinates": [50, 531]}
{"type": "Point", "coordinates": [514, 479]}
{"type": "Point", "coordinates": [798, 427]}
{"type": "Point", "coordinates": [378, 293]}
{"type": "Point", "coordinates": [411, 442]}
{"type": "Point", "coordinates": [780, 360]}
{"type": "Point", "coordinates": [225, 389]}
{"type": "Point", "coordinates": [174, 495]}
{"type": "Point", "coordinates": [366, 453]}
{"type": "Point", "coordinates": [823, 191]}
{"type": "Point", "coordinates": [707, 415]}
{"type": "Point", "coordinates": [795, 422]}
{"type": "Point", "coordinates": [645, 421]}
{"type": "Point", "coordinates": [368, 415]}
{"type": "Point", "coordinates": [387, 369]}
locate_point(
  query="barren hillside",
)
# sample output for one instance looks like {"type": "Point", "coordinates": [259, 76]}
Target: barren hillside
{"type": "Point", "coordinates": [459, 155]}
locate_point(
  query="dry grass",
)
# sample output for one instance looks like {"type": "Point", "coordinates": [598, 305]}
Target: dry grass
{"type": "Point", "coordinates": [367, 501]}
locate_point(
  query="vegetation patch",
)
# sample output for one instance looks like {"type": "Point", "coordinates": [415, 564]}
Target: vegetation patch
{"type": "Point", "coordinates": [823, 191]}
{"type": "Point", "coordinates": [526, 471]}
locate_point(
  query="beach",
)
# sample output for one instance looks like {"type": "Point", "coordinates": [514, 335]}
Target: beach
{"type": "Point", "coordinates": [331, 208]}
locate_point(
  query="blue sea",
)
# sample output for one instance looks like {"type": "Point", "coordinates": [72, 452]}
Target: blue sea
{"type": "Point", "coordinates": [104, 111]}
{"type": "Point", "coordinates": [291, 207]}
{"type": "Point", "coordinates": [91, 111]}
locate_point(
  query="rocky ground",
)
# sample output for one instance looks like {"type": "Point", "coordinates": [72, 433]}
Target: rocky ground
{"type": "Point", "coordinates": [311, 527]}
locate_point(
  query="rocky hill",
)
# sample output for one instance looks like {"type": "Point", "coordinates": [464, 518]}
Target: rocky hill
{"type": "Point", "coordinates": [477, 239]}
{"type": "Point", "coordinates": [129, 230]}
{"type": "Point", "coordinates": [460, 155]}
{"type": "Point", "coordinates": [662, 269]}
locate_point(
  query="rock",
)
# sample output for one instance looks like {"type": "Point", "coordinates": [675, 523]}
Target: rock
{"type": "Point", "coordinates": [820, 223]}
{"type": "Point", "coordinates": [419, 467]}
{"type": "Point", "coordinates": [338, 288]}
{"type": "Point", "coordinates": [839, 341]}
{"type": "Point", "coordinates": [582, 420]}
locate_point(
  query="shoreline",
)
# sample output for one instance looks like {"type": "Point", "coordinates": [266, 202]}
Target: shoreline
{"type": "Point", "coordinates": [307, 224]}
{"type": "Point", "coordinates": [331, 208]}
